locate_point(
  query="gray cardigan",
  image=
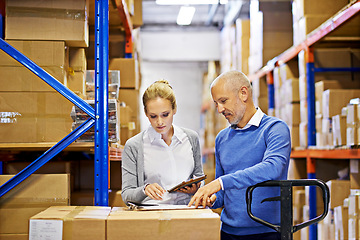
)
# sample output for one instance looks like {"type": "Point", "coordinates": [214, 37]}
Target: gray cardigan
{"type": "Point", "coordinates": [133, 165]}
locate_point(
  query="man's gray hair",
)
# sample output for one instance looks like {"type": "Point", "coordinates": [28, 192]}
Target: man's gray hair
{"type": "Point", "coordinates": [233, 80]}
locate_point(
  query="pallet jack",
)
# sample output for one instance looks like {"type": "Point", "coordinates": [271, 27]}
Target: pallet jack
{"type": "Point", "coordinates": [286, 228]}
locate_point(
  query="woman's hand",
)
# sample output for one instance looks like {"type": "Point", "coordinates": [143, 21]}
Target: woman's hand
{"type": "Point", "coordinates": [190, 189]}
{"type": "Point", "coordinates": [154, 191]}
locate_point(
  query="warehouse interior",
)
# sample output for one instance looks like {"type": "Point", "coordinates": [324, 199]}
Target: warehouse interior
{"type": "Point", "coordinates": [301, 56]}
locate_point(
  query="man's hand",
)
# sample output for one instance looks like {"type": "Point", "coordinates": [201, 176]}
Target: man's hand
{"type": "Point", "coordinates": [204, 196]}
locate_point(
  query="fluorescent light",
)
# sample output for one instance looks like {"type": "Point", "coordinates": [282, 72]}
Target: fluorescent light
{"type": "Point", "coordinates": [186, 2]}
{"type": "Point", "coordinates": [185, 15]}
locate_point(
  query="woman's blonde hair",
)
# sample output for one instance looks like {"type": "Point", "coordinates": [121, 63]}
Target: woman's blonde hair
{"type": "Point", "coordinates": [159, 89]}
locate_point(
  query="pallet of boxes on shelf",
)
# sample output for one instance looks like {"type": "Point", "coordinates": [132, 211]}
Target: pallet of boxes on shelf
{"type": "Point", "coordinates": [287, 99]}
{"type": "Point", "coordinates": [129, 95]}
{"type": "Point", "coordinates": [308, 15]}
{"type": "Point", "coordinates": [333, 91]}
{"type": "Point", "coordinates": [235, 46]}
{"type": "Point", "coordinates": [28, 112]}
{"type": "Point", "coordinates": [270, 31]}
{"type": "Point", "coordinates": [46, 32]}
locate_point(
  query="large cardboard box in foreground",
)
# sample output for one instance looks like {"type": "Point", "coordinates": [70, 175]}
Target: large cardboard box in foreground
{"type": "Point", "coordinates": [35, 194]}
{"type": "Point", "coordinates": [70, 222]}
{"type": "Point", "coordinates": [48, 20]}
{"type": "Point", "coordinates": [198, 224]}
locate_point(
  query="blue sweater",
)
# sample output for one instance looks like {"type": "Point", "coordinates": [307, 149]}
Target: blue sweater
{"type": "Point", "coordinates": [244, 158]}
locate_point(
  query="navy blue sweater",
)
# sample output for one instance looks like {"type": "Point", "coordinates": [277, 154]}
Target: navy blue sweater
{"type": "Point", "coordinates": [244, 158]}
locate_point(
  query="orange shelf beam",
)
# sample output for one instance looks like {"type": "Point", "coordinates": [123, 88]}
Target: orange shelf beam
{"type": "Point", "coordinates": [327, 154]}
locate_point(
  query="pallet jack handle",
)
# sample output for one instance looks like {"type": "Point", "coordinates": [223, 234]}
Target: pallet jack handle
{"type": "Point", "coordinates": [286, 228]}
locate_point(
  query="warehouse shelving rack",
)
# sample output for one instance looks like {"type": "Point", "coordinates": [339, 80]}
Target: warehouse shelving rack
{"type": "Point", "coordinates": [98, 116]}
{"type": "Point", "coordinates": [340, 18]}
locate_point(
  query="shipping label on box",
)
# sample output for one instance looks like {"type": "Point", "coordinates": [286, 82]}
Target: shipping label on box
{"type": "Point", "coordinates": [45, 229]}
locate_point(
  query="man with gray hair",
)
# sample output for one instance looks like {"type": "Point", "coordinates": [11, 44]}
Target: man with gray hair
{"type": "Point", "coordinates": [254, 149]}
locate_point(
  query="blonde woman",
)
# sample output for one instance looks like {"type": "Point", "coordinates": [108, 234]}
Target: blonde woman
{"type": "Point", "coordinates": [161, 156]}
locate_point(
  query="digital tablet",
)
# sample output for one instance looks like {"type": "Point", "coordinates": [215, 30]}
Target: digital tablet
{"type": "Point", "coordinates": [187, 183]}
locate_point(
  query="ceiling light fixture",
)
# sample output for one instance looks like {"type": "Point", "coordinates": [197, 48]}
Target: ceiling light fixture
{"type": "Point", "coordinates": [185, 15]}
{"type": "Point", "coordinates": [188, 2]}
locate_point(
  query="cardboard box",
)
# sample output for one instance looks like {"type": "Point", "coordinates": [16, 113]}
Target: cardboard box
{"type": "Point", "coordinates": [129, 74]}
{"type": "Point", "coordinates": [14, 236]}
{"type": "Point", "coordinates": [323, 85]}
{"type": "Point", "coordinates": [354, 228]}
{"type": "Point", "coordinates": [33, 195]}
{"type": "Point", "coordinates": [48, 20]}
{"type": "Point", "coordinates": [291, 114]}
{"type": "Point", "coordinates": [339, 130]}
{"type": "Point", "coordinates": [131, 98]}
{"type": "Point", "coordinates": [341, 222]}
{"type": "Point", "coordinates": [202, 223]}
{"type": "Point", "coordinates": [34, 117]}
{"type": "Point", "coordinates": [71, 222]}
{"type": "Point", "coordinates": [242, 44]}
{"type": "Point", "coordinates": [259, 87]}
{"type": "Point", "coordinates": [19, 79]}
{"type": "Point", "coordinates": [306, 7]}
{"type": "Point", "coordinates": [294, 133]}
{"type": "Point", "coordinates": [136, 18]}
{"type": "Point", "coordinates": [289, 70]}
{"type": "Point", "coordinates": [77, 59]}
{"type": "Point", "coordinates": [303, 134]}
{"type": "Point", "coordinates": [339, 190]}
{"type": "Point", "coordinates": [115, 199]}
{"type": "Point", "coordinates": [352, 114]}
{"type": "Point", "coordinates": [352, 138]}
{"type": "Point", "coordinates": [291, 90]}
{"type": "Point", "coordinates": [76, 83]}
{"type": "Point", "coordinates": [335, 99]}
{"type": "Point", "coordinates": [354, 206]}
{"type": "Point", "coordinates": [354, 174]}
{"type": "Point", "coordinates": [49, 55]}
{"type": "Point", "coordinates": [43, 53]}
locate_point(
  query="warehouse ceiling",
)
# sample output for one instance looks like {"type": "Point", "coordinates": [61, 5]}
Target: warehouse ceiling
{"type": "Point", "coordinates": [163, 17]}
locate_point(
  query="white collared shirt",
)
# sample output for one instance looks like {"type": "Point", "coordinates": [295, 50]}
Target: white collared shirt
{"type": "Point", "coordinates": [254, 121]}
{"type": "Point", "coordinates": [167, 165]}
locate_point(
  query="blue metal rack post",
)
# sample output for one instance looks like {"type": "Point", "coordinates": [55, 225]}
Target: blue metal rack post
{"type": "Point", "coordinates": [101, 194]}
{"type": "Point", "coordinates": [310, 84]}
{"type": "Point", "coordinates": [99, 116]}
{"type": "Point", "coordinates": [271, 90]}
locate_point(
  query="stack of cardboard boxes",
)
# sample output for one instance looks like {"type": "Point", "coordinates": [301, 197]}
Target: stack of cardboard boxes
{"type": "Point", "coordinates": [102, 223]}
{"type": "Point", "coordinates": [333, 91]}
{"type": "Point", "coordinates": [235, 46]}
{"type": "Point", "coordinates": [27, 103]}
{"type": "Point", "coordinates": [33, 195]}
{"type": "Point", "coordinates": [270, 31]}
{"type": "Point", "coordinates": [308, 15]}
